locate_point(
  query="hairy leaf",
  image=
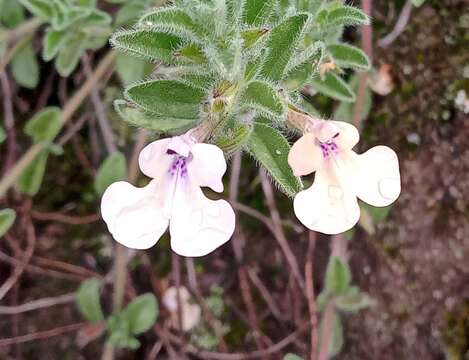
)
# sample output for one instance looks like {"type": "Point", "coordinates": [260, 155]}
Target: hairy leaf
{"type": "Point", "coordinates": [348, 56]}
{"type": "Point", "coordinates": [149, 44]}
{"type": "Point", "coordinates": [69, 56]}
{"type": "Point", "coordinates": [169, 98]}
{"type": "Point", "coordinates": [264, 98]}
{"type": "Point", "coordinates": [257, 12]}
{"type": "Point", "coordinates": [40, 8]}
{"type": "Point", "coordinates": [333, 86]}
{"type": "Point", "coordinates": [151, 121]}
{"type": "Point", "coordinates": [347, 15]}
{"type": "Point", "coordinates": [281, 46]}
{"type": "Point", "coordinates": [270, 148]}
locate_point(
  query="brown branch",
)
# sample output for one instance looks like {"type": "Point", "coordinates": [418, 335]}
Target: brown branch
{"type": "Point", "coordinates": [400, 26]}
{"type": "Point", "coordinates": [9, 123]}
{"type": "Point", "coordinates": [279, 233]}
{"type": "Point", "coordinates": [42, 334]}
{"type": "Point", "coordinates": [309, 275]}
{"type": "Point", "coordinates": [18, 271]}
{"type": "Point", "coordinates": [37, 304]}
{"type": "Point", "coordinates": [65, 219]}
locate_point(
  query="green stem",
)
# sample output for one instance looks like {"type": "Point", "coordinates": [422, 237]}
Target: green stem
{"type": "Point", "coordinates": [70, 108]}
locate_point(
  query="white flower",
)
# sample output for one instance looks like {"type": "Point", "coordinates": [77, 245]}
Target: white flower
{"type": "Point", "coordinates": [190, 313]}
{"type": "Point", "coordinates": [179, 166]}
{"type": "Point", "coordinates": [330, 205]}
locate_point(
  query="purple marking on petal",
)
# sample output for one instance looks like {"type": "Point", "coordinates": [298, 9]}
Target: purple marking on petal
{"type": "Point", "coordinates": [329, 148]}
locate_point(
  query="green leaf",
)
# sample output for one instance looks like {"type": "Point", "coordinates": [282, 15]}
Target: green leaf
{"type": "Point", "coordinates": [51, 43]}
{"type": "Point", "coordinates": [170, 19]}
{"type": "Point", "coordinates": [169, 98]}
{"type": "Point", "coordinates": [418, 3]}
{"type": "Point", "coordinates": [336, 342]}
{"type": "Point", "coordinates": [281, 46]}
{"type": "Point", "coordinates": [333, 86]}
{"type": "Point", "coordinates": [149, 44]}
{"type": "Point", "coordinates": [69, 55]}
{"type": "Point", "coordinates": [25, 67]}
{"type": "Point", "coordinates": [12, 13]}
{"type": "Point", "coordinates": [292, 357]}
{"type": "Point", "coordinates": [7, 218]}
{"type": "Point", "coordinates": [231, 140]}
{"type": "Point", "coordinates": [264, 98]}
{"type": "Point", "coordinates": [45, 125]}
{"type": "Point", "coordinates": [344, 111]}
{"type": "Point", "coordinates": [377, 214]}
{"type": "Point", "coordinates": [3, 135]}
{"type": "Point", "coordinates": [353, 302]}
{"type": "Point", "coordinates": [348, 56]}
{"type": "Point", "coordinates": [130, 11]}
{"type": "Point", "coordinates": [30, 180]}
{"type": "Point", "coordinates": [348, 16]}
{"type": "Point", "coordinates": [130, 69]}
{"type": "Point", "coordinates": [40, 8]}
{"type": "Point", "coordinates": [111, 170]}
{"type": "Point", "coordinates": [141, 313]}
{"type": "Point", "coordinates": [88, 301]}
{"type": "Point", "coordinates": [338, 276]}
{"type": "Point", "coordinates": [257, 12]}
{"type": "Point", "coordinates": [151, 121]}
{"type": "Point", "coordinates": [270, 148]}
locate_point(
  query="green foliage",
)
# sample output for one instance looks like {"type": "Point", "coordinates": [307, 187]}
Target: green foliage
{"type": "Point", "coordinates": [333, 86]}
{"type": "Point", "coordinates": [292, 357]}
{"type": "Point", "coordinates": [338, 276]}
{"type": "Point", "coordinates": [336, 341]}
{"type": "Point", "coordinates": [353, 301]}
{"type": "Point", "coordinates": [138, 317]}
{"type": "Point", "coordinates": [268, 146]}
{"type": "Point", "coordinates": [7, 218]}
{"type": "Point", "coordinates": [344, 111]}
{"type": "Point", "coordinates": [88, 301]}
{"type": "Point", "coordinates": [113, 169]}
{"type": "Point", "coordinates": [262, 97]}
{"type": "Point", "coordinates": [130, 69]}
{"type": "Point", "coordinates": [30, 180]}
{"type": "Point", "coordinates": [3, 135]}
{"type": "Point", "coordinates": [141, 313]}
{"type": "Point", "coordinates": [148, 44]}
{"type": "Point", "coordinates": [45, 125]}
{"type": "Point", "coordinates": [25, 68]}
{"type": "Point", "coordinates": [72, 28]}
{"type": "Point", "coordinates": [168, 98]}
{"type": "Point", "coordinates": [281, 46]}
{"type": "Point", "coordinates": [348, 56]}
{"type": "Point", "coordinates": [418, 3]}
{"type": "Point", "coordinates": [347, 15]}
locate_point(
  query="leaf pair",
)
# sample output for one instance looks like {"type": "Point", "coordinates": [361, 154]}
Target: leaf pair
{"type": "Point", "coordinates": [135, 319]}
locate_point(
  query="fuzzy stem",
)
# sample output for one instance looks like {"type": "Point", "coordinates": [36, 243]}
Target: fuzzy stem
{"type": "Point", "coordinates": [72, 105]}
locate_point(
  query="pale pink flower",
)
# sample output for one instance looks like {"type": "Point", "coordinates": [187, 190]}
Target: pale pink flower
{"type": "Point", "coordinates": [179, 166]}
{"type": "Point", "coordinates": [330, 205]}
